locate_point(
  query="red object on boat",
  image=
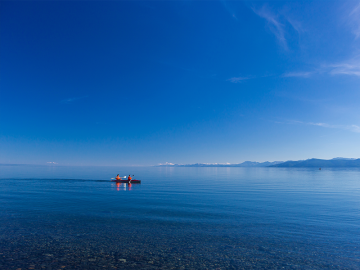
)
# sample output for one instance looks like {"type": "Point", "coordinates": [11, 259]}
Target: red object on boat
{"type": "Point", "coordinates": [127, 181]}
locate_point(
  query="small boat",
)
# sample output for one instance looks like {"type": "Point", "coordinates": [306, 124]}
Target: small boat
{"type": "Point", "coordinates": [127, 181]}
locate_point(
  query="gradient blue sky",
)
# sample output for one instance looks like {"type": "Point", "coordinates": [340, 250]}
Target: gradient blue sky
{"type": "Point", "coordinates": [149, 82]}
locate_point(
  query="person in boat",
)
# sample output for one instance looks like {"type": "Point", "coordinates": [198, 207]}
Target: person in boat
{"type": "Point", "coordinates": [118, 177]}
{"type": "Point", "coordinates": [129, 178]}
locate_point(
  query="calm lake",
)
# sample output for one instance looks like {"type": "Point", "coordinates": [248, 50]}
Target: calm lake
{"type": "Point", "coordinates": [55, 217]}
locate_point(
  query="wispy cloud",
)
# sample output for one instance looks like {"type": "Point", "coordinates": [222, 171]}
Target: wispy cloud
{"type": "Point", "coordinates": [229, 9]}
{"type": "Point", "coordinates": [295, 24]}
{"type": "Point", "coordinates": [71, 100]}
{"type": "Point", "coordinates": [277, 28]}
{"type": "Point", "coordinates": [352, 128]}
{"type": "Point", "coordinates": [237, 79]}
{"type": "Point", "coordinates": [281, 22]}
{"type": "Point", "coordinates": [354, 20]}
{"type": "Point", "coordinates": [51, 162]}
{"type": "Point", "coordinates": [350, 67]}
{"type": "Point", "coordinates": [304, 74]}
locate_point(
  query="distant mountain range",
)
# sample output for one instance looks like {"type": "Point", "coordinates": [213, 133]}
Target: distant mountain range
{"type": "Point", "coordinates": [244, 164]}
{"type": "Point", "coordinates": [314, 162]}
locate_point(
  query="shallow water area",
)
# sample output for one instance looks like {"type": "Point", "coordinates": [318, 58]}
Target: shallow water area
{"type": "Point", "coordinates": [55, 217]}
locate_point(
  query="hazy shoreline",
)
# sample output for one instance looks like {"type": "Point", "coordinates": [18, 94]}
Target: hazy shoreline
{"type": "Point", "coordinates": [335, 162]}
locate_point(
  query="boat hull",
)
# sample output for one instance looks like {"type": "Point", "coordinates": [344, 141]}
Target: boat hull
{"type": "Point", "coordinates": [127, 181]}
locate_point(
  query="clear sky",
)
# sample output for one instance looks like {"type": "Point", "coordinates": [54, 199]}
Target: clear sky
{"type": "Point", "coordinates": [149, 82]}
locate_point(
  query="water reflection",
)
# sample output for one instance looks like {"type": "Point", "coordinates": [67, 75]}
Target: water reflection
{"type": "Point", "coordinates": [123, 186]}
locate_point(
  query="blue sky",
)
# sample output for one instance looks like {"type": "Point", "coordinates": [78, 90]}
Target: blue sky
{"type": "Point", "coordinates": [149, 82]}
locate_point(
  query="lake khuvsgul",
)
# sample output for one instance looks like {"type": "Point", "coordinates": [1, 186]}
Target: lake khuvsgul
{"type": "Point", "coordinates": [55, 217]}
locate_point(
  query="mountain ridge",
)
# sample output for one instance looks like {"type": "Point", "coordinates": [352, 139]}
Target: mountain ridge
{"type": "Point", "coordinates": [313, 162]}
{"type": "Point", "coordinates": [243, 164]}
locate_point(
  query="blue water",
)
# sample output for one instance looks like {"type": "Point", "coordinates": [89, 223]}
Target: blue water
{"type": "Point", "coordinates": [55, 217]}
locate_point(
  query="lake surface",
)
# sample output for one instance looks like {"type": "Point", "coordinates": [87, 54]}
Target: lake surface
{"type": "Point", "coordinates": [55, 217]}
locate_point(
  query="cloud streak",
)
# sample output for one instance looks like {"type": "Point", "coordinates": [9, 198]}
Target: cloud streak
{"type": "Point", "coordinates": [71, 100]}
{"type": "Point", "coordinates": [228, 9]}
{"type": "Point", "coordinates": [237, 79]}
{"type": "Point", "coordinates": [352, 128]}
{"type": "Point", "coordinates": [354, 20]}
{"type": "Point", "coordinates": [350, 67]}
{"type": "Point", "coordinates": [277, 28]}
{"type": "Point", "coordinates": [305, 74]}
